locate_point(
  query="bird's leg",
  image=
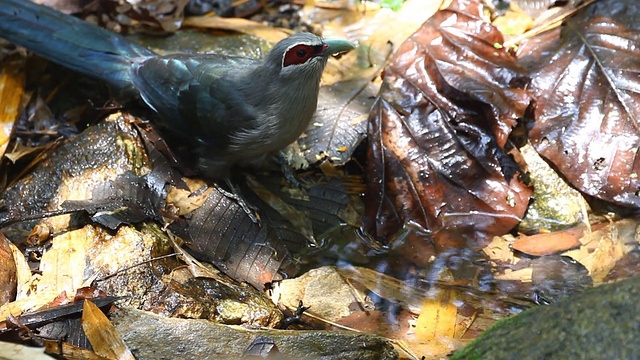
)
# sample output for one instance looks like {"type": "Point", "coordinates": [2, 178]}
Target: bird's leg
{"type": "Point", "coordinates": [287, 171]}
{"type": "Point", "coordinates": [236, 194]}
{"type": "Point", "coordinates": [296, 318]}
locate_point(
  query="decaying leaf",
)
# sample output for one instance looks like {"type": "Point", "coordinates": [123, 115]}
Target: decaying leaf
{"type": "Point", "coordinates": [587, 88]}
{"type": "Point", "coordinates": [126, 199]}
{"type": "Point", "coordinates": [23, 273]}
{"type": "Point", "coordinates": [385, 286]}
{"type": "Point", "coordinates": [437, 133]}
{"type": "Point", "coordinates": [219, 231]}
{"type": "Point", "coordinates": [601, 249]}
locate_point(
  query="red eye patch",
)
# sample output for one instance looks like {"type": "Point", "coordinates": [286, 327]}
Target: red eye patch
{"type": "Point", "coordinates": [301, 53]}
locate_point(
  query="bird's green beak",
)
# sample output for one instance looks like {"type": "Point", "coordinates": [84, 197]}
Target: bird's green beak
{"type": "Point", "coordinates": [336, 46]}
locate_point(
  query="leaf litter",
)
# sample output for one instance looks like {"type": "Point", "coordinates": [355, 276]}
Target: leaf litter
{"type": "Point", "coordinates": [440, 168]}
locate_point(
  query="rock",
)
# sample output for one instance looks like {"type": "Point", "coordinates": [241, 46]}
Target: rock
{"type": "Point", "coordinates": [600, 323]}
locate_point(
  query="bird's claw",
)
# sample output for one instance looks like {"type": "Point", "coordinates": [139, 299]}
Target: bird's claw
{"type": "Point", "coordinates": [234, 194]}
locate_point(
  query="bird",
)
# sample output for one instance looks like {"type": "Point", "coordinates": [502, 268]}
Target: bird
{"type": "Point", "coordinates": [229, 110]}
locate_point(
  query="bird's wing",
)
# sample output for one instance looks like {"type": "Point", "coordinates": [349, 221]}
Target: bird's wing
{"type": "Point", "coordinates": [195, 95]}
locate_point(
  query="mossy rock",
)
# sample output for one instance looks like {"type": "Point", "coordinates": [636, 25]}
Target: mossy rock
{"type": "Point", "coordinates": [600, 323]}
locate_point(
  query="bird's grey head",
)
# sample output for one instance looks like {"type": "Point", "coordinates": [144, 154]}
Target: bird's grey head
{"type": "Point", "coordinates": [303, 53]}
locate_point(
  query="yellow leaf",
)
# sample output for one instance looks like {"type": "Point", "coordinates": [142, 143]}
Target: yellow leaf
{"type": "Point", "coordinates": [438, 316]}
{"type": "Point", "coordinates": [12, 78]}
{"type": "Point", "coordinates": [102, 335]}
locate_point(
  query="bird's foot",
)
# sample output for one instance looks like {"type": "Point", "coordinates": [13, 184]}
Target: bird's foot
{"type": "Point", "coordinates": [296, 318]}
{"type": "Point", "coordinates": [235, 194]}
{"type": "Point", "coordinates": [290, 177]}
{"type": "Point", "coordinates": [287, 171]}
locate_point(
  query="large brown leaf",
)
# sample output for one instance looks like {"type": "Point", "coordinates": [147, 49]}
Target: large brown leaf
{"type": "Point", "coordinates": [587, 116]}
{"type": "Point", "coordinates": [436, 136]}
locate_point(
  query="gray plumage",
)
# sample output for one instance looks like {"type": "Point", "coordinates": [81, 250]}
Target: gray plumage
{"type": "Point", "coordinates": [231, 110]}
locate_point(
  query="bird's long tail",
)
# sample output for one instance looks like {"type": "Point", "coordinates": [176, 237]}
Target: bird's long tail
{"type": "Point", "coordinates": [69, 41]}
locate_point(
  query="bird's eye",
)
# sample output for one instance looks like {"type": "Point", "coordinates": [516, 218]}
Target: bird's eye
{"type": "Point", "coordinates": [299, 54]}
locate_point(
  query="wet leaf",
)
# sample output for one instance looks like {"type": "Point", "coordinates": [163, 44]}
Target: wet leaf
{"type": "Point", "coordinates": [436, 136]}
{"type": "Point", "coordinates": [220, 232]}
{"type": "Point", "coordinates": [377, 322]}
{"type": "Point", "coordinates": [126, 199]}
{"type": "Point", "coordinates": [339, 124]}
{"type": "Point", "coordinates": [51, 312]}
{"type": "Point", "coordinates": [438, 317]}
{"type": "Point", "coordinates": [21, 151]}
{"type": "Point", "coordinates": [324, 202]}
{"type": "Point", "coordinates": [300, 220]}
{"type": "Point", "coordinates": [601, 249]}
{"type": "Point", "coordinates": [103, 336]}
{"type": "Point", "coordinates": [549, 243]}
{"type": "Point", "coordinates": [215, 227]}
{"type": "Point", "coordinates": [555, 277]}
{"type": "Point", "coordinates": [23, 272]}
{"type": "Point", "coordinates": [587, 118]}
{"type": "Point", "coordinates": [385, 286]}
